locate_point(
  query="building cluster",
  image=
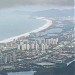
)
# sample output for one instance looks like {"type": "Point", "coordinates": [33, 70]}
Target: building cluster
{"type": "Point", "coordinates": [69, 35]}
{"type": "Point", "coordinates": [12, 52]}
{"type": "Point", "coordinates": [43, 46]}
{"type": "Point", "coordinates": [7, 58]}
{"type": "Point", "coordinates": [40, 44]}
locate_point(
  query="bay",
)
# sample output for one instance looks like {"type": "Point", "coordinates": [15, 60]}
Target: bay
{"type": "Point", "coordinates": [16, 21]}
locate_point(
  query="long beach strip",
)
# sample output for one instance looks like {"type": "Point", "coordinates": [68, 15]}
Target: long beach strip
{"type": "Point", "coordinates": [45, 26]}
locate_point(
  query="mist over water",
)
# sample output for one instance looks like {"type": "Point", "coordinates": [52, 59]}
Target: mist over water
{"type": "Point", "coordinates": [16, 21]}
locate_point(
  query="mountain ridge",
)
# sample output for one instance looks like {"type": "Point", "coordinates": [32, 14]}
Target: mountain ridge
{"type": "Point", "coordinates": [55, 13]}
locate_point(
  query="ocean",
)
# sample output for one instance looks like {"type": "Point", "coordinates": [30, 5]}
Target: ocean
{"type": "Point", "coordinates": [16, 21]}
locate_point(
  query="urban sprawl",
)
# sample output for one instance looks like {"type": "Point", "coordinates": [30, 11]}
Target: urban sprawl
{"type": "Point", "coordinates": [52, 47]}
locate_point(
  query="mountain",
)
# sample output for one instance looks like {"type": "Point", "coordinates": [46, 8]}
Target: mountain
{"type": "Point", "coordinates": [55, 13]}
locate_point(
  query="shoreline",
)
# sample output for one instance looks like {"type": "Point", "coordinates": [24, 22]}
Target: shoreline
{"type": "Point", "coordinates": [45, 26]}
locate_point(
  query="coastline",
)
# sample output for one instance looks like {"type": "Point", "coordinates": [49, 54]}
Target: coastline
{"type": "Point", "coordinates": [45, 26]}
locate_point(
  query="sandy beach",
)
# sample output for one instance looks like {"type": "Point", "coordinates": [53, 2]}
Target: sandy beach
{"type": "Point", "coordinates": [45, 26]}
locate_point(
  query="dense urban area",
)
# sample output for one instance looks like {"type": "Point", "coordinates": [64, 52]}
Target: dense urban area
{"type": "Point", "coordinates": [52, 47]}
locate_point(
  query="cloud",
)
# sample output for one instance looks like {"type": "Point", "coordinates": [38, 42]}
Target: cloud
{"type": "Point", "coordinates": [7, 3]}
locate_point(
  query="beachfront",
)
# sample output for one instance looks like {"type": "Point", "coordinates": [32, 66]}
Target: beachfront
{"type": "Point", "coordinates": [45, 26]}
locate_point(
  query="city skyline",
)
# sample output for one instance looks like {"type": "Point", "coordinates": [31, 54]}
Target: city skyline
{"type": "Point", "coordinates": [39, 37]}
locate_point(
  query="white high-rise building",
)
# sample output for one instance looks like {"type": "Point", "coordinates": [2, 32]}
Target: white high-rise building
{"type": "Point", "coordinates": [14, 56]}
{"type": "Point", "coordinates": [37, 46]}
{"type": "Point", "coordinates": [46, 46]}
{"type": "Point", "coordinates": [4, 58]}
{"type": "Point", "coordinates": [28, 46]}
{"type": "Point", "coordinates": [19, 47]}
{"type": "Point", "coordinates": [43, 48]}
{"type": "Point", "coordinates": [32, 46]}
{"type": "Point", "coordinates": [24, 47]}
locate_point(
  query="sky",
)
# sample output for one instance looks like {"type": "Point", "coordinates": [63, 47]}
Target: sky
{"type": "Point", "coordinates": [61, 3]}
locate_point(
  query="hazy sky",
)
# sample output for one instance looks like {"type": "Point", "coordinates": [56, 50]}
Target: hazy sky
{"type": "Point", "coordinates": [9, 3]}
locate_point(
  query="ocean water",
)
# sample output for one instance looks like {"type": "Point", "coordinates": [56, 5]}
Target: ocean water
{"type": "Point", "coordinates": [16, 21]}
